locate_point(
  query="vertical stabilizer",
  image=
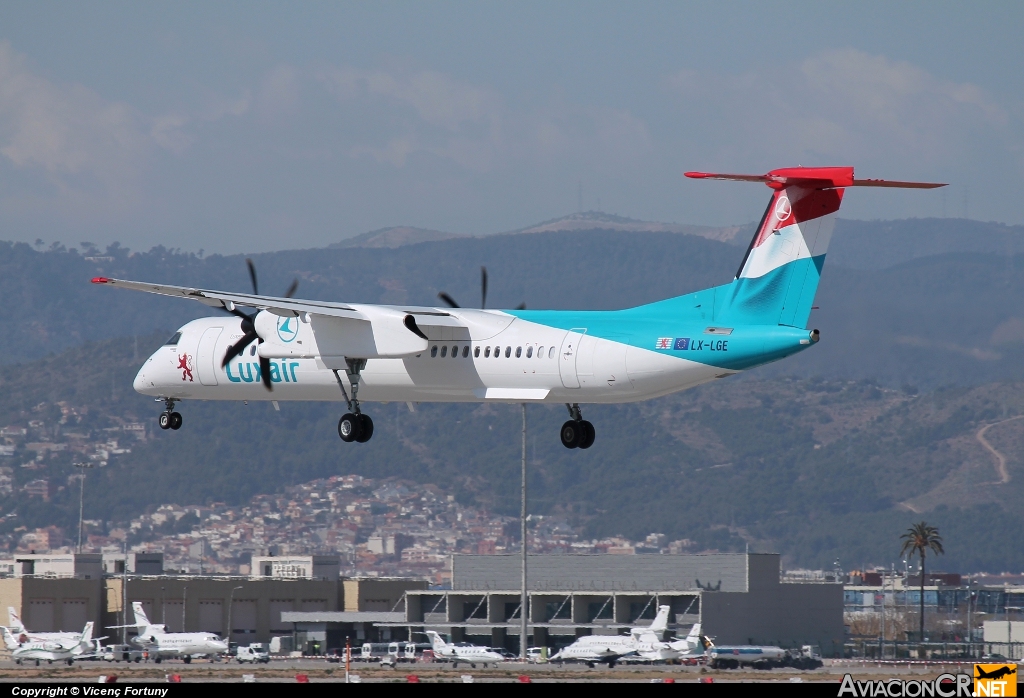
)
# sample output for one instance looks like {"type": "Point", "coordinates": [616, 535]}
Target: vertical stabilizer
{"type": "Point", "coordinates": [142, 624]}
{"type": "Point", "coordinates": [436, 641]}
{"type": "Point", "coordinates": [779, 275]}
{"type": "Point", "coordinates": [14, 621]}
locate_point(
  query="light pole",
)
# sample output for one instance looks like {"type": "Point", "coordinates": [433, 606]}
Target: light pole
{"type": "Point", "coordinates": [81, 499]}
{"type": "Point", "coordinates": [1009, 627]}
{"type": "Point", "coordinates": [231, 603]}
{"type": "Point", "coordinates": [523, 601]}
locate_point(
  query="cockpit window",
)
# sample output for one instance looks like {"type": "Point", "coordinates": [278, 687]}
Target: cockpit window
{"type": "Point", "coordinates": [173, 341]}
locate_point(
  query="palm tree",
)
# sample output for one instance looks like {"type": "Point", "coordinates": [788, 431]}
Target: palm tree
{"type": "Point", "coordinates": [918, 539]}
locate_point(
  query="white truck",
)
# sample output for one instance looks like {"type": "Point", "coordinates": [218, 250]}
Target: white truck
{"type": "Point", "coordinates": [255, 653]}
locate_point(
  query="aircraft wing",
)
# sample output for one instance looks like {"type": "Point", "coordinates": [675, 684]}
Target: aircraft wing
{"type": "Point", "coordinates": [222, 299]}
{"type": "Point", "coordinates": [340, 329]}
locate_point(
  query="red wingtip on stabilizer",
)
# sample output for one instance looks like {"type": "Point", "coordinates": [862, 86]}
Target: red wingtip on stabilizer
{"type": "Point", "coordinates": [100, 280]}
{"type": "Point", "coordinates": [816, 177]}
{"type": "Point", "coordinates": [897, 185]}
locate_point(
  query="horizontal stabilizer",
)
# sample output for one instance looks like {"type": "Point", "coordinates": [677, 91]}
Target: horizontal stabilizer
{"type": "Point", "coordinates": [814, 177]}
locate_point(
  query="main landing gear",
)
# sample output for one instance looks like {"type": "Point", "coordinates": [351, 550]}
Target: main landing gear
{"type": "Point", "coordinates": [169, 419]}
{"type": "Point", "coordinates": [353, 425]}
{"type": "Point", "coordinates": [577, 432]}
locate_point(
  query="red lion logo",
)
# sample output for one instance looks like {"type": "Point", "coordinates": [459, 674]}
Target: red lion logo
{"type": "Point", "coordinates": [185, 364]}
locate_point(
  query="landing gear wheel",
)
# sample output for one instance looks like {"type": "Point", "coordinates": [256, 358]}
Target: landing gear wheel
{"type": "Point", "coordinates": [175, 420]}
{"type": "Point", "coordinates": [187, 659]}
{"type": "Point", "coordinates": [572, 434]}
{"type": "Point", "coordinates": [365, 429]}
{"type": "Point", "coordinates": [588, 434]}
{"type": "Point", "coordinates": [165, 420]}
{"type": "Point", "coordinates": [349, 427]}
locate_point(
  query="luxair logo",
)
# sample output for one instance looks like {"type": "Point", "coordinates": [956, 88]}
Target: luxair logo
{"type": "Point", "coordinates": [287, 329]}
{"type": "Point", "coordinates": [185, 366]}
{"type": "Point", "coordinates": [995, 680]}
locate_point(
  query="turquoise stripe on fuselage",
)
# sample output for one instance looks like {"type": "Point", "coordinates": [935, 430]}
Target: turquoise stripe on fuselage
{"type": "Point", "coordinates": [751, 308]}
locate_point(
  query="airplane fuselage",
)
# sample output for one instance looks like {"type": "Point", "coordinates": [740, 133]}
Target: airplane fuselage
{"type": "Point", "coordinates": [482, 356]}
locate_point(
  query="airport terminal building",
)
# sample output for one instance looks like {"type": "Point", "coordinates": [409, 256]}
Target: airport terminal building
{"type": "Point", "coordinates": [738, 598]}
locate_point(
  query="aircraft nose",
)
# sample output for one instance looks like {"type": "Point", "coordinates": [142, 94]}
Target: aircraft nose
{"type": "Point", "coordinates": [141, 383]}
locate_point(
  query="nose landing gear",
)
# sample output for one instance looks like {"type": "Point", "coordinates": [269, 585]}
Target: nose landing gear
{"type": "Point", "coordinates": [353, 425]}
{"type": "Point", "coordinates": [577, 432]}
{"type": "Point", "coordinates": [169, 419]}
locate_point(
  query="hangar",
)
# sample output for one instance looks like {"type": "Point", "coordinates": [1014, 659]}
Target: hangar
{"type": "Point", "coordinates": [738, 598]}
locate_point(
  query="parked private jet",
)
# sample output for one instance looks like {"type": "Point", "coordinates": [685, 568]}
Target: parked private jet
{"type": "Point", "coordinates": [20, 635]}
{"type": "Point", "coordinates": [50, 651]}
{"type": "Point", "coordinates": [643, 643]}
{"type": "Point", "coordinates": [463, 652]}
{"type": "Point", "coordinates": [289, 349]}
{"type": "Point", "coordinates": [163, 645]}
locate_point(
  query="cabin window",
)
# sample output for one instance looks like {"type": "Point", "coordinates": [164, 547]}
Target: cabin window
{"type": "Point", "coordinates": [455, 352]}
{"type": "Point", "coordinates": [519, 352]}
{"type": "Point", "coordinates": [173, 341]}
{"type": "Point", "coordinates": [540, 352]}
{"type": "Point", "coordinates": [465, 351]}
{"type": "Point", "coordinates": [444, 351]}
{"type": "Point", "coordinates": [551, 353]}
{"type": "Point", "coordinates": [487, 352]}
{"type": "Point", "coordinates": [508, 352]}
{"type": "Point", "coordinates": [433, 351]}
{"type": "Point", "coordinates": [529, 352]}
{"type": "Point", "coordinates": [497, 352]}
{"type": "Point", "coordinates": [252, 350]}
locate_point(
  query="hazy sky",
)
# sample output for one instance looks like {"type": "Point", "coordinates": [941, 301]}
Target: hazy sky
{"type": "Point", "coordinates": [256, 126]}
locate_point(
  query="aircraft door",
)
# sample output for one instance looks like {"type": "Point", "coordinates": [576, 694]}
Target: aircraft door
{"type": "Point", "coordinates": [567, 357]}
{"type": "Point", "coordinates": [206, 360]}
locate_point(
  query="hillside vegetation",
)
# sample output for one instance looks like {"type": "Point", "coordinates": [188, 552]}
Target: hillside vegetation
{"type": "Point", "coordinates": [815, 469]}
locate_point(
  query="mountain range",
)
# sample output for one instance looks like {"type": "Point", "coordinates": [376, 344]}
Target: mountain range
{"type": "Point", "coordinates": [831, 453]}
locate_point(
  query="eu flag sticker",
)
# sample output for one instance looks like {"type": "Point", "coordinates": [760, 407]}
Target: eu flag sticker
{"type": "Point", "coordinates": [682, 343]}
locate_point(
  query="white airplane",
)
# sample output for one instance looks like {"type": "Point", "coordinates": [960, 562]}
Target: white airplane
{"type": "Point", "coordinates": [64, 650]}
{"type": "Point", "coordinates": [19, 635]}
{"type": "Point", "coordinates": [692, 645]}
{"type": "Point", "coordinates": [330, 351]}
{"type": "Point", "coordinates": [463, 652]}
{"type": "Point", "coordinates": [642, 642]}
{"type": "Point", "coordinates": [161, 644]}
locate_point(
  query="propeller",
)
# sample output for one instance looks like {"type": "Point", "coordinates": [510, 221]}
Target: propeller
{"type": "Point", "coordinates": [483, 294]}
{"type": "Point", "coordinates": [249, 327]}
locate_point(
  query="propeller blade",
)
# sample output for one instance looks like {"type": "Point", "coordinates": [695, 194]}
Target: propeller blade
{"type": "Point", "coordinates": [292, 289]}
{"type": "Point", "coordinates": [448, 299]}
{"type": "Point", "coordinates": [252, 275]}
{"type": "Point", "coordinates": [521, 306]}
{"type": "Point", "coordinates": [238, 347]}
{"type": "Point", "coordinates": [483, 287]}
{"type": "Point", "coordinates": [265, 372]}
